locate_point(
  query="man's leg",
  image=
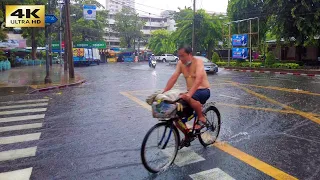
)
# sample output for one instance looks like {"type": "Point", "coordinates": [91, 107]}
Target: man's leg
{"type": "Point", "coordinates": [197, 106]}
{"type": "Point", "coordinates": [180, 125]}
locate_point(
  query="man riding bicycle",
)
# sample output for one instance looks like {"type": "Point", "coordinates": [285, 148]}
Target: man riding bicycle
{"type": "Point", "coordinates": [197, 85]}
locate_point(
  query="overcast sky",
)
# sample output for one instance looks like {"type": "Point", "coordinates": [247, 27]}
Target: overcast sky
{"type": "Point", "coordinates": [156, 6]}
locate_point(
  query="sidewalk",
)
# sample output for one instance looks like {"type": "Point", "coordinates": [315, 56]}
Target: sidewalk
{"type": "Point", "coordinates": [29, 79]}
{"type": "Point", "coordinates": [297, 72]}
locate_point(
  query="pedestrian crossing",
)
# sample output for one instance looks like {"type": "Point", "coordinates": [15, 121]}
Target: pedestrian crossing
{"type": "Point", "coordinates": [16, 118]}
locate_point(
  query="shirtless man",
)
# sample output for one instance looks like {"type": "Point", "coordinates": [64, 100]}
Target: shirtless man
{"type": "Point", "coordinates": [197, 83]}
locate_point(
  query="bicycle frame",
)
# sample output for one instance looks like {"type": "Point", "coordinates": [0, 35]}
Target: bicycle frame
{"type": "Point", "coordinates": [193, 116]}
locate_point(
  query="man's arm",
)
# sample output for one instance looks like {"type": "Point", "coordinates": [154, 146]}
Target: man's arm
{"type": "Point", "coordinates": [199, 77]}
{"type": "Point", "coordinates": [173, 78]}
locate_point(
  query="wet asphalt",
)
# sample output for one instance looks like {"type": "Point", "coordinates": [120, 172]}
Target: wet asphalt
{"type": "Point", "coordinates": [93, 132]}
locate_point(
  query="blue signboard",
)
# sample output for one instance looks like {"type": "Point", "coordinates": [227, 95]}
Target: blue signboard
{"type": "Point", "coordinates": [239, 53]}
{"type": "Point", "coordinates": [240, 40]}
{"type": "Point", "coordinates": [50, 19]}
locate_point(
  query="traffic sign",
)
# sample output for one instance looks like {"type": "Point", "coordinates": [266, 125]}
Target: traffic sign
{"type": "Point", "coordinates": [50, 19]}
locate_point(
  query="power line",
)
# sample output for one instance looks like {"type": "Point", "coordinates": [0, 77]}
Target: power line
{"type": "Point", "coordinates": [151, 6]}
{"type": "Point", "coordinates": [127, 5]}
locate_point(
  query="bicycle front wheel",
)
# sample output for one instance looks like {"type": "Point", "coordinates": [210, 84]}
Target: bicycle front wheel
{"type": "Point", "coordinates": [209, 135]}
{"type": "Point", "coordinates": [159, 147]}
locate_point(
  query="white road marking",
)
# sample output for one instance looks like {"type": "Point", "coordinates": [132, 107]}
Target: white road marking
{"type": "Point", "coordinates": [21, 174]}
{"type": "Point", "coordinates": [25, 101]}
{"type": "Point", "coordinates": [20, 138]}
{"type": "Point", "coordinates": [23, 106]}
{"type": "Point", "coordinates": [22, 118]}
{"type": "Point", "coordinates": [187, 156]}
{"type": "Point", "coordinates": [23, 111]}
{"type": "Point", "coordinates": [229, 96]}
{"type": "Point", "coordinates": [303, 74]}
{"type": "Point", "coordinates": [20, 127]}
{"type": "Point", "coordinates": [17, 153]}
{"type": "Point", "coordinates": [211, 174]}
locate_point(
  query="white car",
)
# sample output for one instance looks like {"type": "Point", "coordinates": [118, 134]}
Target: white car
{"type": "Point", "coordinates": [167, 58]}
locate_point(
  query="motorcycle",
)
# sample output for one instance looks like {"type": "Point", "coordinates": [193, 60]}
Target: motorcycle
{"type": "Point", "coordinates": [153, 63]}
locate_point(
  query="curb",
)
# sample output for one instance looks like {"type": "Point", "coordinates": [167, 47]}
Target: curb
{"type": "Point", "coordinates": [283, 73]}
{"type": "Point", "coordinates": [58, 87]}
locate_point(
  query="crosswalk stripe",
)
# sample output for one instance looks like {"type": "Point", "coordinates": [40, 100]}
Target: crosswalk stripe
{"type": "Point", "coordinates": [25, 101]}
{"type": "Point", "coordinates": [17, 153]}
{"type": "Point", "coordinates": [22, 118]}
{"type": "Point", "coordinates": [21, 174]}
{"type": "Point", "coordinates": [215, 173]}
{"type": "Point", "coordinates": [23, 111]}
{"type": "Point", "coordinates": [23, 106]}
{"type": "Point", "coordinates": [20, 127]}
{"type": "Point", "coordinates": [184, 157]}
{"type": "Point", "coordinates": [20, 138]}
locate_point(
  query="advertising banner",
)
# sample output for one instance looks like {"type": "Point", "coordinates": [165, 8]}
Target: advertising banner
{"type": "Point", "coordinates": [239, 53]}
{"type": "Point", "coordinates": [240, 40]}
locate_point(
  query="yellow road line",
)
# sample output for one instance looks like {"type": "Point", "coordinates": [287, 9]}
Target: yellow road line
{"type": "Point", "coordinates": [309, 116]}
{"type": "Point", "coordinates": [136, 100]}
{"type": "Point", "coordinates": [242, 156]}
{"type": "Point", "coordinates": [263, 97]}
{"type": "Point", "coordinates": [254, 162]}
{"type": "Point", "coordinates": [258, 108]}
{"type": "Point", "coordinates": [281, 89]}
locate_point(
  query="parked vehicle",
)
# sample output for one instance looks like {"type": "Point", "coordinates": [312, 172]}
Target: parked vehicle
{"type": "Point", "coordinates": [167, 58]}
{"type": "Point", "coordinates": [209, 66]}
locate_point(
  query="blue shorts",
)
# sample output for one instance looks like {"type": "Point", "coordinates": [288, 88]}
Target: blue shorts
{"type": "Point", "coordinates": [201, 95]}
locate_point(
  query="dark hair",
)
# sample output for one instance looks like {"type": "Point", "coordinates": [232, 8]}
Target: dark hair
{"type": "Point", "coordinates": [187, 49]}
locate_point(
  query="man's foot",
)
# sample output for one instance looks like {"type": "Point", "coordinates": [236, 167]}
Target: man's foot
{"type": "Point", "coordinates": [201, 124]}
{"type": "Point", "coordinates": [184, 143]}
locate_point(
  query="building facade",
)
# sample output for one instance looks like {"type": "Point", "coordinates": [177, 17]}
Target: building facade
{"type": "Point", "coordinates": [114, 6]}
{"type": "Point", "coordinates": [163, 21]}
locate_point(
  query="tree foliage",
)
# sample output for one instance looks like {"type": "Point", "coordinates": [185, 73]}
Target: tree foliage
{"type": "Point", "coordinates": [208, 29]}
{"type": "Point", "coordinates": [161, 42]}
{"type": "Point", "coordinates": [128, 24]}
{"type": "Point", "coordinates": [294, 21]}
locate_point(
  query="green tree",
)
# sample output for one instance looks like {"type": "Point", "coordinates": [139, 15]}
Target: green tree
{"type": "Point", "coordinates": [295, 21]}
{"type": "Point", "coordinates": [208, 29]}
{"type": "Point", "coordinates": [161, 42]}
{"type": "Point", "coordinates": [128, 24]}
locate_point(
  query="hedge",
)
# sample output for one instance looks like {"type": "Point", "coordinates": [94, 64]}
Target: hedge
{"type": "Point", "coordinates": [259, 64]}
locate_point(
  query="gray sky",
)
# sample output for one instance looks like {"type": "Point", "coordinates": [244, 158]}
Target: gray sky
{"type": "Point", "coordinates": [156, 6]}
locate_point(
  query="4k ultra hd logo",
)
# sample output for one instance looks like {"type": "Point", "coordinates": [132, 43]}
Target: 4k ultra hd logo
{"type": "Point", "coordinates": [25, 16]}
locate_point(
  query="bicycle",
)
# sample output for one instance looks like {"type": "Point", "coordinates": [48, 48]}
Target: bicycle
{"type": "Point", "coordinates": [169, 128]}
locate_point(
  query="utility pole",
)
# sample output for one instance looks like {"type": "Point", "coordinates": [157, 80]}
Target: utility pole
{"type": "Point", "coordinates": [50, 32]}
{"type": "Point", "coordinates": [47, 79]}
{"type": "Point", "coordinates": [193, 26]}
{"type": "Point", "coordinates": [229, 44]}
{"type": "Point", "coordinates": [60, 33]}
{"type": "Point", "coordinates": [69, 39]}
{"type": "Point", "coordinates": [250, 52]}
{"type": "Point", "coordinates": [65, 57]}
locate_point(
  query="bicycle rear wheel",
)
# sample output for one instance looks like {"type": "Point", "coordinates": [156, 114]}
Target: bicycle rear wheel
{"type": "Point", "coordinates": [159, 147]}
{"type": "Point", "coordinates": [209, 135]}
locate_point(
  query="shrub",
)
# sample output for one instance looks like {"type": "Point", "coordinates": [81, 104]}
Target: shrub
{"type": "Point", "coordinates": [222, 64]}
{"type": "Point", "coordinates": [286, 65]}
{"type": "Point", "coordinates": [256, 64]}
{"type": "Point", "coordinates": [270, 59]}
{"type": "Point", "coordinates": [292, 65]}
{"type": "Point", "coordinates": [215, 57]}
